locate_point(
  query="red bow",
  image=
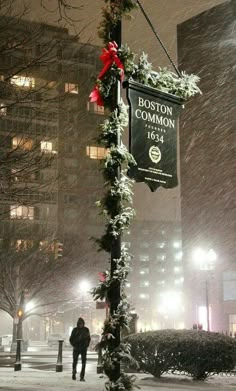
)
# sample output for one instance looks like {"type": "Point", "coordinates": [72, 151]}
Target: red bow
{"type": "Point", "coordinates": [108, 57]}
{"type": "Point", "coordinates": [95, 96]}
{"type": "Point", "coordinates": [102, 277]}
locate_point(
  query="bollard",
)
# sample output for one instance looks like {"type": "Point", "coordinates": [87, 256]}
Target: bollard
{"type": "Point", "coordinates": [17, 366]}
{"type": "Point", "coordinates": [99, 364]}
{"type": "Point", "coordinates": [59, 366]}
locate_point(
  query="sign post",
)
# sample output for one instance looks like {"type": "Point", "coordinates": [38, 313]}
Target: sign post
{"type": "Point", "coordinates": [153, 135]}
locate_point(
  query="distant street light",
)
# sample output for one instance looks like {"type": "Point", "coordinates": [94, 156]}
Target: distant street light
{"type": "Point", "coordinates": [171, 302]}
{"type": "Point", "coordinates": [29, 306]}
{"type": "Point", "coordinates": [84, 286]}
{"type": "Point", "coordinates": [205, 260]}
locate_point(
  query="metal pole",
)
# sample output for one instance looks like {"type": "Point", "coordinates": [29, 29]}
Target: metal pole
{"type": "Point", "coordinates": [114, 296]}
{"type": "Point", "coordinates": [207, 305]}
{"type": "Point", "coordinates": [17, 366]}
{"type": "Point", "coordinates": [59, 366]}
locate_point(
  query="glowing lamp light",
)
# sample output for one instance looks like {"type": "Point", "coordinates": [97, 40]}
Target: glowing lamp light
{"type": "Point", "coordinates": [29, 306]}
{"type": "Point", "coordinates": [171, 302]}
{"type": "Point", "coordinates": [84, 286]}
{"type": "Point", "coordinates": [204, 259]}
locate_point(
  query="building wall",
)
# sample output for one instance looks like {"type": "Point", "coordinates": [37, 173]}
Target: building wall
{"type": "Point", "coordinates": [155, 287]}
{"type": "Point", "coordinates": [206, 47]}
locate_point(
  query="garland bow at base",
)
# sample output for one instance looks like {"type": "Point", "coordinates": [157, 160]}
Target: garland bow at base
{"type": "Point", "coordinates": [109, 57]}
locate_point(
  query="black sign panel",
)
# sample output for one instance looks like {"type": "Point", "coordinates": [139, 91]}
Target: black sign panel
{"type": "Point", "coordinates": [153, 135]}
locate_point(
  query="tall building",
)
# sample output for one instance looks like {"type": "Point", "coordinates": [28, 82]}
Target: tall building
{"type": "Point", "coordinates": [155, 284]}
{"type": "Point", "coordinates": [206, 47]}
{"type": "Point", "coordinates": [46, 76]}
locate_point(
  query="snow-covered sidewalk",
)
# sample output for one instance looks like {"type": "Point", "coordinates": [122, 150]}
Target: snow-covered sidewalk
{"type": "Point", "coordinates": [37, 380]}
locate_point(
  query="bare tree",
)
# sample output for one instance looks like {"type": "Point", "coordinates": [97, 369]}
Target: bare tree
{"type": "Point", "coordinates": [31, 273]}
{"type": "Point", "coordinates": [38, 113]}
{"type": "Point", "coordinates": [28, 103]}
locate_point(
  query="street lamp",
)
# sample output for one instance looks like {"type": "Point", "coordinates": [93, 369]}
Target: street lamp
{"type": "Point", "coordinates": [205, 260]}
{"type": "Point", "coordinates": [84, 286]}
{"type": "Point", "coordinates": [84, 296]}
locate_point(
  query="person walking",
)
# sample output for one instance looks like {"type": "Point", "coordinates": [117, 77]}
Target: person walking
{"type": "Point", "coordinates": [80, 340]}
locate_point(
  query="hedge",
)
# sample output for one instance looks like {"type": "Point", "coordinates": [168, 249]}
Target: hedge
{"type": "Point", "coordinates": [196, 353]}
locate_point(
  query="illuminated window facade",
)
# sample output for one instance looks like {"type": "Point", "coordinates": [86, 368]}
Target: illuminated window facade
{"type": "Point", "coordinates": [46, 146]}
{"type": "Point", "coordinates": [71, 88]}
{"type": "Point", "coordinates": [22, 245]}
{"type": "Point", "coordinates": [96, 152]}
{"type": "Point", "coordinates": [23, 81]}
{"type": "Point", "coordinates": [3, 110]}
{"type": "Point", "coordinates": [157, 274]}
{"type": "Point", "coordinates": [22, 212]}
{"type": "Point", "coordinates": [22, 142]}
{"type": "Point", "coordinates": [93, 107]}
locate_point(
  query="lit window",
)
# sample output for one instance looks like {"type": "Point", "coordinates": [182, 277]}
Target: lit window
{"type": "Point", "coordinates": [72, 88]}
{"type": "Point", "coordinates": [46, 246]}
{"type": "Point", "coordinates": [144, 296]}
{"type": "Point", "coordinates": [160, 244]}
{"type": "Point", "coordinates": [23, 81]}
{"type": "Point", "coordinates": [93, 107]}
{"type": "Point", "coordinates": [144, 284]}
{"type": "Point", "coordinates": [179, 281]}
{"type": "Point", "coordinates": [177, 244]}
{"type": "Point", "coordinates": [46, 146]}
{"type": "Point", "coordinates": [22, 245]}
{"type": "Point", "coordinates": [22, 212]}
{"type": "Point", "coordinates": [3, 110]}
{"type": "Point", "coordinates": [178, 256]}
{"type": "Point", "coordinates": [160, 282]}
{"type": "Point", "coordinates": [22, 142]}
{"type": "Point", "coordinates": [177, 269]}
{"type": "Point", "coordinates": [144, 270]}
{"type": "Point", "coordinates": [96, 152]}
{"type": "Point", "coordinates": [144, 258]}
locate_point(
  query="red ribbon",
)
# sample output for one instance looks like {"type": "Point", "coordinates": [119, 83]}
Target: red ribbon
{"type": "Point", "coordinates": [108, 57]}
{"type": "Point", "coordinates": [102, 276]}
{"type": "Point", "coordinates": [96, 96]}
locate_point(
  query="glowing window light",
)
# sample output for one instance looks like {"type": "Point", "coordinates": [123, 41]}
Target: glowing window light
{"type": "Point", "coordinates": [202, 316]}
{"type": "Point", "coordinates": [23, 81]}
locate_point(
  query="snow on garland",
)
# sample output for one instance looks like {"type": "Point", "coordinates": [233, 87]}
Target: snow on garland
{"type": "Point", "coordinates": [117, 64]}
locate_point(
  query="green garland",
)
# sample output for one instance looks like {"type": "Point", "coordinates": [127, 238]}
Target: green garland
{"type": "Point", "coordinates": [112, 13]}
{"type": "Point", "coordinates": [142, 72]}
{"type": "Point", "coordinates": [119, 191]}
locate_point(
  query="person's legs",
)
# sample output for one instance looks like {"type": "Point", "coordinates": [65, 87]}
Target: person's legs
{"type": "Point", "coordinates": [75, 361]}
{"type": "Point", "coordinates": [83, 359]}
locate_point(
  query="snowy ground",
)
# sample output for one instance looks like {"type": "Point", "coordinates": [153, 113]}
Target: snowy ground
{"type": "Point", "coordinates": [37, 380]}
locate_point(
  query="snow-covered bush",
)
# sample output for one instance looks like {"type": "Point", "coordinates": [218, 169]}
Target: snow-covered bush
{"type": "Point", "coordinates": [196, 353]}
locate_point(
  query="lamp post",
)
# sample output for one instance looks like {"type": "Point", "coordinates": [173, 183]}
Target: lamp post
{"type": "Point", "coordinates": [205, 260]}
{"type": "Point", "coordinates": [84, 287]}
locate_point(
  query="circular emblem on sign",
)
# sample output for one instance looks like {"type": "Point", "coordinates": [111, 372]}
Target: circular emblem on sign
{"type": "Point", "coordinates": [155, 154]}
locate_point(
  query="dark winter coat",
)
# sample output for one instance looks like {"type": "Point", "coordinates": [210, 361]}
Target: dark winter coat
{"type": "Point", "coordinates": [80, 338]}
